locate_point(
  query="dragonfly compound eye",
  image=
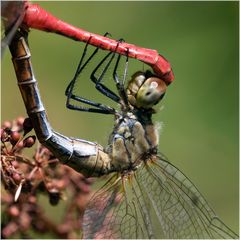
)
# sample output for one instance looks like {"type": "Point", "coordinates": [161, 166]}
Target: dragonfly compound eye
{"type": "Point", "coordinates": [150, 93]}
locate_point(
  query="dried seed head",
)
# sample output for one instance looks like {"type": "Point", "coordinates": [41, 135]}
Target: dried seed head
{"type": "Point", "coordinates": [84, 187]}
{"type": "Point", "coordinates": [14, 137]}
{"type": "Point", "coordinates": [32, 199]}
{"type": "Point", "coordinates": [4, 137]}
{"type": "Point", "coordinates": [27, 186]}
{"type": "Point", "coordinates": [60, 184]}
{"type": "Point", "coordinates": [54, 196]}
{"type": "Point", "coordinates": [13, 211]}
{"type": "Point", "coordinates": [7, 124]}
{"type": "Point", "coordinates": [1, 131]}
{"type": "Point", "coordinates": [15, 164]}
{"type": "Point", "coordinates": [19, 145]}
{"type": "Point", "coordinates": [88, 180]}
{"type": "Point", "coordinates": [24, 221]}
{"type": "Point", "coordinates": [17, 178]}
{"type": "Point", "coordinates": [49, 185]}
{"type": "Point", "coordinates": [29, 141]}
{"type": "Point", "coordinates": [64, 228]}
{"type": "Point", "coordinates": [9, 229]}
{"type": "Point", "coordinates": [20, 121]}
{"type": "Point", "coordinates": [27, 126]}
{"type": "Point", "coordinates": [24, 185]}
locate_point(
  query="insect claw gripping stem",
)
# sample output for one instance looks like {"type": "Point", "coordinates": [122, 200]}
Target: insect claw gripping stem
{"type": "Point", "coordinates": [83, 156]}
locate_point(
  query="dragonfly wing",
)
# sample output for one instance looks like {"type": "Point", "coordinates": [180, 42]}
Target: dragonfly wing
{"type": "Point", "coordinates": [181, 210]}
{"type": "Point", "coordinates": [155, 201]}
{"type": "Point", "coordinates": [116, 211]}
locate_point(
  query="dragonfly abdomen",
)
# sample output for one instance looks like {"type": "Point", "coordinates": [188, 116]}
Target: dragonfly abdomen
{"type": "Point", "coordinates": [84, 156]}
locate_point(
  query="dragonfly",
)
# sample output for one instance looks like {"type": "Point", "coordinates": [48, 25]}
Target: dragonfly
{"type": "Point", "coordinates": [145, 196]}
{"type": "Point", "coordinates": [27, 15]}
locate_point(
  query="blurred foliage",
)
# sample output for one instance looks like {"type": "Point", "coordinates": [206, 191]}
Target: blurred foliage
{"type": "Point", "coordinates": [200, 115]}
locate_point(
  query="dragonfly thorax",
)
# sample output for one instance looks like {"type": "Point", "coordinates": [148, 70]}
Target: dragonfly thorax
{"type": "Point", "coordinates": [130, 141]}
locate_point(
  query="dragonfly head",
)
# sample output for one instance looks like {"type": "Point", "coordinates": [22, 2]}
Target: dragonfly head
{"type": "Point", "coordinates": [145, 90]}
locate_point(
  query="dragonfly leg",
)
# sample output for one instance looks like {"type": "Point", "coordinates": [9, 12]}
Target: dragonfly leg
{"type": "Point", "coordinates": [81, 66]}
{"type": "Point", "coordinates": [97, 80]}
{"type": "Point", "coordinates": [99, 108]}
{"type": "Point", "coordinates": [83, 156]}
{"type": "Point", "coordinates": [120, 84]}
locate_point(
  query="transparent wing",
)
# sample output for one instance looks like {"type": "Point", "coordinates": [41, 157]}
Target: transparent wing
{"type": "Point", "coordinates": [115, 212]}
{"type": "Point", "coordinates": [181, 210]}
{"type": "Point", "coordinates": [156, 201]}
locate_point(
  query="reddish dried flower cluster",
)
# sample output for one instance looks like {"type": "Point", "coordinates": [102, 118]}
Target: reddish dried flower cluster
{"type": "Point", "coordinates": [25, 179]}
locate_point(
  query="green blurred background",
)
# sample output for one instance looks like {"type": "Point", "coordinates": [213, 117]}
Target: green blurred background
{"type": "Point", "coordinates": [200, 115]}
